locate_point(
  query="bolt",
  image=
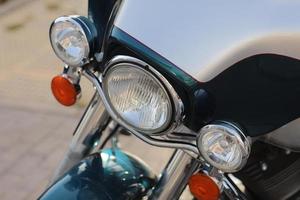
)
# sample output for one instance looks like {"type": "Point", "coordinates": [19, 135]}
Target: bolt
{"type": "Point", "coordinates": [287, 152]}
{"type": "Point", "coordinates": [264, 166]}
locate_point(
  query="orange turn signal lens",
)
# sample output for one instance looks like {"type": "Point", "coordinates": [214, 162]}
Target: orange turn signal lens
{"type": "Point", "coordinates": [63, 90]}
{"type": "Point", "coordinates": [203, 187]}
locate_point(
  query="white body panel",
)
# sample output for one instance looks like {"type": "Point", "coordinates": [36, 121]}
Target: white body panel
{"type": "Point", "coordinates": [203, 38]}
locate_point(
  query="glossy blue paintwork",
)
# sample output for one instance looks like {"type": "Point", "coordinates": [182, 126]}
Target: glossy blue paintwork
{"type": "Point", "coordinates": [108, 175]}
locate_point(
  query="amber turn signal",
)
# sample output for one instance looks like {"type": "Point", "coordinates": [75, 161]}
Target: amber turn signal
{"type": "Point", "coordinates": [203, 187]}
{"type": "Point", "coordinates": [64, 90]}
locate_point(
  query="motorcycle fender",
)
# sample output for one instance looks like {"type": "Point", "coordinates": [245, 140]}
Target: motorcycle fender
{"type": "Point", "coordinates": [109, 174]}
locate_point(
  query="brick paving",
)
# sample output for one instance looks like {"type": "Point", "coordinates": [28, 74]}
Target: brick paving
{"type": "Point", "coordinates": [34, 129]}
{"type": "Point", "coordinates": [31, 144]}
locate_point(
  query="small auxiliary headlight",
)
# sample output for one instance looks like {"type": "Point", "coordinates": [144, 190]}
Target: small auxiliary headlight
{"type": "Point", "coordinates": [224, 146]}
{"type": "Point", "coordinates": [72, 39]}
{"type": "Point", "coordinates": [138, 97]}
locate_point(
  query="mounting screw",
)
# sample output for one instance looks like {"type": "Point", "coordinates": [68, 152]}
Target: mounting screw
{"type": "Point", "coordinates": [264, 166]}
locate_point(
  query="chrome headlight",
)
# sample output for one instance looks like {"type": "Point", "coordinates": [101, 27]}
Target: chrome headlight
{"type": "Point", "coordinates": [224, 146]}
{"type": "Point", "coordinates": [138, 97]}
{"type": "Point", "coordinates": [72, 39]}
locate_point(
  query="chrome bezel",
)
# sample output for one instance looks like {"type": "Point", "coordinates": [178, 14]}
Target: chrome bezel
{"type": "Point", "coordinates": [233, 130]}
{"type": "Point", "coordinates": [159, 140]}
{"type": "Point", "coordinates": [84, 29]}
{"type": "Point", "coordinates": [175, 114]}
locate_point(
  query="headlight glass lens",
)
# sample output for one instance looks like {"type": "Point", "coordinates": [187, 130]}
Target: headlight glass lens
{"type": "Point", "coordinates": [138, 97]}
{"type": "Point", "coordinates": [69, 41]}
{"type": "Point", "coordinates": [223, 147]}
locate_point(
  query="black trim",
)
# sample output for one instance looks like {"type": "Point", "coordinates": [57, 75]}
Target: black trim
{"type": "Point", "coordinates": [99, 12]}
{"type": "Point", "coordinates": [261, 93]}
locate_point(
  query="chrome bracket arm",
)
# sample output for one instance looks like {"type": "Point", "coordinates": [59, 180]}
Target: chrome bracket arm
{"type": "Point", "coordinates": [175, 176]}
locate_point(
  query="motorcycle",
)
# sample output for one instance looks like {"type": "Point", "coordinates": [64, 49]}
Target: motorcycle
{"type": "Point", "coordinates": [216, 82]}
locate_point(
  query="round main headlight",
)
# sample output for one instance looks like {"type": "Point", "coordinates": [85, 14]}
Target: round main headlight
{"type": "Point", "coordinates": [138, 97]}
{"type": "Point", "coordinates": [72, 38]}
{"type": "Point", "coordinates": [224, 146]}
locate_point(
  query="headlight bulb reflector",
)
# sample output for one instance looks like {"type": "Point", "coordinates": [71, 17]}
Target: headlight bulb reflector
{"type": "Point", "coordinates": [138, 97]}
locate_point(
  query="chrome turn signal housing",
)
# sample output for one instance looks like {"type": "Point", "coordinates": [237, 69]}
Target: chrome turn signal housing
{"type": "Point", "coordinates": [224, 146]}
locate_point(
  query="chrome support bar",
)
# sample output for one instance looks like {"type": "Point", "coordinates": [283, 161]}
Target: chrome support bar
{"type": "Point", "coordinates": [94, 117]}
{"type": "Point", "coordinates": [175, 176]}
{"type": "Point", "coordinates": [231, 190]}
{"type": "Point", "coordinates": [156, 142]}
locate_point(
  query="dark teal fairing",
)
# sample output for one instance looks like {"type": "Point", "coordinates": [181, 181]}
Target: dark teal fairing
{"type": "Point", "coordinates": [136, 46]}
{"type": "Point", "coordinates": [198, 105]}
{"type": "Point", "coordinates": [99, 12]}
{"type": "Point", "coordinates": [108, 175]}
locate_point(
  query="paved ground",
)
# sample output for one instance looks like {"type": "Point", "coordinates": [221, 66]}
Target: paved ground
{"type": "Point", "coordinates": [34, 129]}
{"type": "Point", "coordinates": [32, 142]}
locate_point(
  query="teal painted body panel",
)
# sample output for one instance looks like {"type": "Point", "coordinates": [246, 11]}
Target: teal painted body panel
{"type": "Point", "coordinates": [147, 53]}
{"type": "Point", "coordinates": [108, 175]}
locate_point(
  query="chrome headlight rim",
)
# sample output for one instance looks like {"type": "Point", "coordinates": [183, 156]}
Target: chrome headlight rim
{"type": "Point", "coordinates": [88, 30]}
{"type": "Point", "coordinates": [177, 108]}
{"type": "Point", "coordinates": [233, 130]}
